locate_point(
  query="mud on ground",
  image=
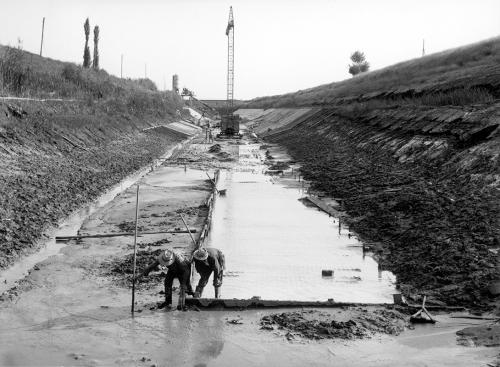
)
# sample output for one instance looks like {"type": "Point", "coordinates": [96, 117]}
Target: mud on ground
{"type": "Point", "coordinates": [347, 323]}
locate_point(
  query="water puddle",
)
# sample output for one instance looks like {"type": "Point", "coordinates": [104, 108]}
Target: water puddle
{"type": "Point", "coordinates": [276, 247]}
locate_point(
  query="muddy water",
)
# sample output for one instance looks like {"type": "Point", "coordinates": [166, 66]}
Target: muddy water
{"type": "Point", "coordinates": [276, 247]}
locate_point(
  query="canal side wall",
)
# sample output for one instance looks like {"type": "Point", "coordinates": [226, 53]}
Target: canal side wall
{"type": "Point", "coordinates": [419, 183]}
{"type": "Point", "coordinates": [56, 156]}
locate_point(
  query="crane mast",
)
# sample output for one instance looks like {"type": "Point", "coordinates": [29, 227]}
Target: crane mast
{"type": "Point", "coordinates": [230, 60]}
{"type": "Point", "coordinates": [230, 123]}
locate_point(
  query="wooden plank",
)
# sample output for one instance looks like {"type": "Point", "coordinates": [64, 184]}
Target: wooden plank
{"type": "Point", "coordinates": [118, 234]}
{"type": "Point", "coordinates": [325, 207]}
{"type": "Point", "coordinates": [238, 304]}
{"type": "Point", "coordinates": [258, 303]}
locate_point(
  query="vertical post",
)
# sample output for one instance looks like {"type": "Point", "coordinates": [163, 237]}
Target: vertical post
{"type": "Point", "coordinates": [146, 71]}
{"type": "Point", "coordinates": [41, 42]}
{"type": "Point", "coordinates": [423, 47]}
{"type": "Point", "coordinates": [135, 248]}
{"type": "Point", "coordinates": [121, 68]}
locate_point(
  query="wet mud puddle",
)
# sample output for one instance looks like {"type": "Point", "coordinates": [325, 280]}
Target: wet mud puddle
{"type": "Point", "coordinates": [276, 247]}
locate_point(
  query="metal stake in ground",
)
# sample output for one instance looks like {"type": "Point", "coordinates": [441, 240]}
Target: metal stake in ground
{"type": "Point", "coordinates": [135, 249]}
{"type": "Point", "coordinates": [192, 238]}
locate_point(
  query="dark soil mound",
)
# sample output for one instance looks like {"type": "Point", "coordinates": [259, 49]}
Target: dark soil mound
{"type": "Point", "coordinates": [216, 148]}
{"type": "Point", "coordinates": [322, 325]}
{"type": "Point", "coordinates": [122, 269]}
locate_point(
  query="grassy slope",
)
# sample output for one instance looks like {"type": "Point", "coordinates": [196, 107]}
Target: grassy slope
{"type": "Point", "coordinates": [56, 156]}
{"type": "Point", "coordinates": [472, 66]}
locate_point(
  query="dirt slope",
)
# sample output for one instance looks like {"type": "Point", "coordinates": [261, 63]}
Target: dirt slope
{"type": "Point", "coordinates": [421, 185]}
{"type": "Point", "coordinates": [54, 157]}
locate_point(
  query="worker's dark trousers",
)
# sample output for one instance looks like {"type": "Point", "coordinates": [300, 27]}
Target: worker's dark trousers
{"type": "Point", "coordinates": [185, 286]}
{"type": "Point", "coordinates": [204, 281]}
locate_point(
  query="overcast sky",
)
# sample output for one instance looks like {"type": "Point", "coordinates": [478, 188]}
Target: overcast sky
{"type": "Point", "coordinates": [280, 46]}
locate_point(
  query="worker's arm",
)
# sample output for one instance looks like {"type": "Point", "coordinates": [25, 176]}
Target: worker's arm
{"type": "Point", "coordinates": [217, 273]}
{"type": "Point", "coordinates": [222, 261]}
{"type": "Point", "coordinates": [148, 270]}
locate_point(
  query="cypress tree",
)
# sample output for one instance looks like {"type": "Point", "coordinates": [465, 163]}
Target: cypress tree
{"type": "Point", "coordinates": [86, 51]}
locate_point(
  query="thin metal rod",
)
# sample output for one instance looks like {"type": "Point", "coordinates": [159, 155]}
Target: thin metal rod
{"type": "Point", "coordinates": [41, 42]}
{"type": "Point", "coordinates": [135, 248]}
{"type": "Point", "coordinates": [194, 242]}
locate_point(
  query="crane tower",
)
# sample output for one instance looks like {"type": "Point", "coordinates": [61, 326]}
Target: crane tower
{"type": "Point", "coordinates": [230, 60]}
{"type": "Point", "coordinates": [230, 125]}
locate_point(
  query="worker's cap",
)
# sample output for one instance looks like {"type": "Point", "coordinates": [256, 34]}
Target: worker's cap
{"type": "Point", "coordinates": [201, 254]}
{"type": "Point", "coordinates": [166, 258]}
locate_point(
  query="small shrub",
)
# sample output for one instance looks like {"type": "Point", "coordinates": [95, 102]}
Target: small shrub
{"type": "Point", "coordinates": [146, 83]}
{"type": "Point", "coordinates": [73, 74]}
{"type": "Point", "coordinates": [15, 74]}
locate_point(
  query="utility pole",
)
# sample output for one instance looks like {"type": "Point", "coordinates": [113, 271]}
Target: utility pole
{"type": "Point", "coordinates": [41, 42]}
{"type": "Point", "coordinates": [145, 71]}
{"type": "Point", "coordinates": [121, 68]}
{"type": "Point", "coordinates": [423, 47]}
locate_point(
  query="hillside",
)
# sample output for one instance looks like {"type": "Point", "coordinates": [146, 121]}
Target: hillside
{"type": "Point", "coordinates": [464, 75]}
{"type": "Point", "coordinates": [60, 153]}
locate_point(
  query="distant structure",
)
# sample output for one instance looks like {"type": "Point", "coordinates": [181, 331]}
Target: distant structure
{"type": "Point", "coordinates": [230, 123]}
{"type": "Point", "coordinates": [230, 59]}
{"type": "Point", "coordinates": [423, 47]}
{"type": "Point", "coordinates": [175, 83]}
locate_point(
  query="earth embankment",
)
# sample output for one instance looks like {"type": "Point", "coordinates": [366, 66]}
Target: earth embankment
{"type": "Point", "coordinates": [57, 156]}
{"type": "Point", "coordinates": [419, 185]}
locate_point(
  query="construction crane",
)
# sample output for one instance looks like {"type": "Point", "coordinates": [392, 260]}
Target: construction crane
{"type": "Point", "coordinates": [230, 125]}
{"type": "Point", "coordinates": [230, 59]}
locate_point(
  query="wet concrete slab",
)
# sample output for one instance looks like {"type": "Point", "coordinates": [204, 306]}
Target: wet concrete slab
{"type": "Point", "coordinates": [276, 247]}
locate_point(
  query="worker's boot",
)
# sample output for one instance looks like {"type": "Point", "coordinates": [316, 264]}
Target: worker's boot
{"type": "Point", "coordinates": [217, 292]}
{"type": "Point", "coordinates": [198, 292]}
{"type": "Point", "coordinates": [182, 300]}
{"type": "Point", "coordinates": [168, 299]}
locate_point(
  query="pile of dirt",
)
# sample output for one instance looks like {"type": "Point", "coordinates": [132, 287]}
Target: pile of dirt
{"type": "Point", "coordinates": [225, 157]}
{"type": "Point", "coordinates": [198, 211]}
{"type": "Point", "coordinates": [317, 325]}
{"type": "Point", "coordinates": [279, 166]}
{"type": "Point", "coordinates": [216, 148]}
{"type": "Point", "coordinates": [129, 226]}
{"type": "Point", "coordinates": [482, 335]}
{"type": "Point", "coordinates": [155, 243]}
{"type": "Point", "coordinates": [122, 269]}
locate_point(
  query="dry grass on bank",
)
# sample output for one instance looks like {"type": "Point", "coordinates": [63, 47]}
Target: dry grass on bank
{"type": "Point", "coordinates": [468, 74]}
{"type": "Point", "coordinates": [25, 74]}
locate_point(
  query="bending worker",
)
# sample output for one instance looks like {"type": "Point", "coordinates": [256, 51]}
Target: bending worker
{"type": "Point", "coordinates": [178, 267]}
{"type": "Point", "coordinates": [207, 261]}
